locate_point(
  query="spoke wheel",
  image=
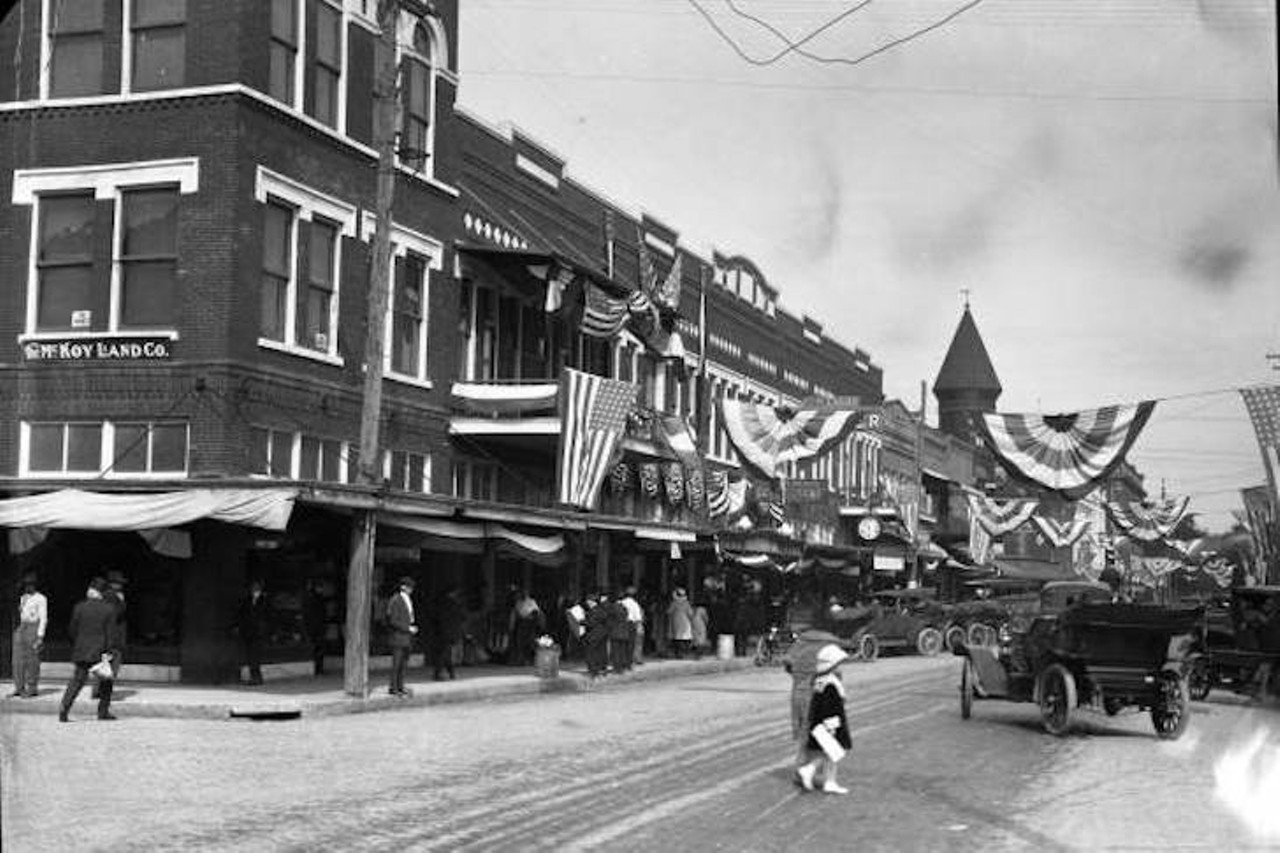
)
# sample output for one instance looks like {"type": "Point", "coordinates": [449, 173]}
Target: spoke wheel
{"type": "Point", "coordinates": [1199, 681]}
{"type": "Point", "coordinates": [1172, 709]}
{"type": "Point", "coordinates": [966, 690]}
{"type": "Point", "coordinates": [868, 647]}
{"type": "Point", "coordinates": [929, 641]}
{"type": "Point", "coordinates": [954, 637]}
{"type": "Point", "coordinates": [1057, 699]}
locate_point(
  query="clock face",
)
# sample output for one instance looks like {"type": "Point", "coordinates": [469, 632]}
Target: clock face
{"type": "Point", "coordinates": [869, 528]}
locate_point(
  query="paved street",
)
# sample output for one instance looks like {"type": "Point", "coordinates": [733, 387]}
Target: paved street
{"type": "Point", "coordinates": [700, 762]}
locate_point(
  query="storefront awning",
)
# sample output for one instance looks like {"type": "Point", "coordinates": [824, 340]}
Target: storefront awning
{"type": "Point", "coordinates": [666, 534]}
{"type": "Point", "coordinates": [77, 509]}
{"type": "Point", "coordinates": [497, 398]}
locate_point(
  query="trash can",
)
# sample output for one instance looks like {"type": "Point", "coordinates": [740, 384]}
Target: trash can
{"type": "Point", "coordinates": [546, 661]}
{"type": "Point", "coordinates": [724, 646]}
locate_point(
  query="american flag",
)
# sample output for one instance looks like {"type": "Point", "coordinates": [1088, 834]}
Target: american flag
{"type": "Point", "coordinates": [1260, 517]}
{"type": "Point", "coordinates": [602, 315]}
{"type": "Point", "coordinates": [1264, 410]}
{"type": "Point", "coordinates": [668, 293]}
{"type": "Point", "coordinates": [648, 275]}
{"type": "Point", "coordinates": [593, 416]}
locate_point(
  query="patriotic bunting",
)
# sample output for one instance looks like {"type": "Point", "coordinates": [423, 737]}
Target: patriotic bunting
{"type": "Point", "coordinates": [695, 488]}
{"type": "Point", "coordinates": [644, 262]}
{"type": "Point", "coordinates": [1061, 534]}
{"type": "Point", "coordinates": [1089, 557]}
{"type": "Point", "coordinates": [1148, 523]}
{"type": "Point", "coordinates": [621, 478]}
{"type": "Point", "coordinates": [1067, 453]}
{"type": "Point", "coordinates": [593, 415]}
{"type": "Point", "coordinates": [999, 517]}
{"type": "Point", "coordinates": [674, 433]}
{"type": "Point", "coordinates": [768, 436]}
{"type": "Point", "coordinates": [776, 512]}
{"type": "Point", "coordinates": [726, 497]}
{"type": "Point", "coordinates": [979, 540]}
{"type": "Point", "coordinates": [1260, 521]}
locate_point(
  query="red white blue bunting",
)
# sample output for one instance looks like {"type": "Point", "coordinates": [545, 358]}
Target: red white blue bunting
{"type": "Point", "coordinates": [1148, 523]}
{"type": "Point", "coordinates": [998, 517]}
{"type": "Point", "coordinates": [769, 437]}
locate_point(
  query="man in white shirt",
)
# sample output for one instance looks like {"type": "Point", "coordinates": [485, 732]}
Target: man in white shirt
{"type": "Point", "coordinates": [28, 638]}
{"type": "Point", "coordinates": [635, 615]}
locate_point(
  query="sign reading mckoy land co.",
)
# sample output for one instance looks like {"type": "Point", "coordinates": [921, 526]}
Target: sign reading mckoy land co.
{"type": "Point", "coordinates": [98, 349]}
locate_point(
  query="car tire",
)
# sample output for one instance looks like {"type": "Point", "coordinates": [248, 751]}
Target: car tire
{"type": "Point", "coordinates": [929, 641]}
{"type": "Point", "coordinates": [954, 637]}
{"type": "Point", "coordinates": [1057, 699]}
{"type": "Point", "coordinates": [966, 690]}
{"type": "Point", "coordinates": [868, 647]}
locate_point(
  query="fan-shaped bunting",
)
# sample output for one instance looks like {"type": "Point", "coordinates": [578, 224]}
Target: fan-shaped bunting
{"type": "Point", "coordinates": [726, 497]}
{"type": "Point", "coordinates": [1070, 452]}
{"type": "Point", "coordinates": [768, 436]}
{"type": "Point", "coordinates": [1061, 533]}
{"type": "Point", "coordinates": [1148, 523]}
{"type": "Point", "coordinates": [998, 517]}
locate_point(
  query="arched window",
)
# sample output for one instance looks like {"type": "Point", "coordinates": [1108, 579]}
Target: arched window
{"type": "Point", "coordinates": [418, 55]}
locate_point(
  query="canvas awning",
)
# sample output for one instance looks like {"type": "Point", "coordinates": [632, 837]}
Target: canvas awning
{"type": "Point", "coordinates": [76, 509]}
{"type": "Point", "coordinates": [494, 398]}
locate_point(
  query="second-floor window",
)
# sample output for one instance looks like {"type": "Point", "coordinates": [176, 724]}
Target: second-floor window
{"type": "Point", "coordinates": [147, 258]}
{"type": "Point", "coordinates": [325, 74]}
{"type": "Point", "coordinates": [300, 273]}
{"type": "Point", "coordinates": [76, 36]}
{"type": "Point", "coordinates": [306, 58]}
{"type": "Point", "coordinates": [409, 317]}
{"type": "Point", "coordinates": [159, 44]}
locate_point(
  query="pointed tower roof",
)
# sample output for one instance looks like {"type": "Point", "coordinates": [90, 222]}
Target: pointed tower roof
{"type": "Point", "coordinates": [967, 366]}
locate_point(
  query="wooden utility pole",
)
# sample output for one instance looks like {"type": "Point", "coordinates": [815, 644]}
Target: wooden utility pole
{"type": "Point", "coordinates": [386, 124]}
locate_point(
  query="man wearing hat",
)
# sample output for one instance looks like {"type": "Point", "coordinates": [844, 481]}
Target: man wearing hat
{"type": "Point", "coordinates": [93, 635]}
{"type": "Point", "coordinates": [28, 638]}
{"type": "Point", "coordinates": [114, 595]}
{"type": "Point", "coordinates": [254, 625]}
{"type": "Point", "coordinates": [402, 626]}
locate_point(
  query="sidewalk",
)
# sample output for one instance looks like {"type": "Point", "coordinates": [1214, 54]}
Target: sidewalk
{"type": "Point", "coordinates": [323, 695]}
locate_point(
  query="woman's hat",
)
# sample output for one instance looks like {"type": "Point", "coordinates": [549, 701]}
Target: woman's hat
{"type": "Point", "coordinates": [679, 593]}
{"type": "Point", "coordinates": [830, 656]}
{"type": "Point", "coordinates": [406, 581]}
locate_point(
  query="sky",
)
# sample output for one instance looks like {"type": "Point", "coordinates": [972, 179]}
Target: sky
{"type": "Point", "coordinates": [1100, 175]}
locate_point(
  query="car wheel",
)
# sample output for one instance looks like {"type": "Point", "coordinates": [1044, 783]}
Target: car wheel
{"type": "Point", "coordinates": [1172, 709]}
{"type": "Point", "coordinates": [1199, 681]}
{"type": "Point", "coordinates": [954, 637]}
{"type": "Point", "coordinates": [1057, 698]}
{"type": "Point", "coordinates": [868, 647]}
{"type": "Point", "coordinates": [929, 641]}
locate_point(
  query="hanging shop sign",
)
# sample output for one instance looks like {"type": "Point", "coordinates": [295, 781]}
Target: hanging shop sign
{"type": "Point", "coordinates": [98, 349]}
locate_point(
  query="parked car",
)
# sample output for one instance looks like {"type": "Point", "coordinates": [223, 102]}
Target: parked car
{"type": "Point", "coordinates": [1240, 645]}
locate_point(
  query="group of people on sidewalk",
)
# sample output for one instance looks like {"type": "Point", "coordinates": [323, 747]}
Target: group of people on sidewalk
{"type": "Point", "coordinates": [97, 632]}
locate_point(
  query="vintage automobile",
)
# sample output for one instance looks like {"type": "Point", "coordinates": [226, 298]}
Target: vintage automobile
{"type": "Point", "coordinates": [904, 619]}
{"type": "Point", "coordinates": [1241, 645]}
{"type": "Point", "coordinates": [1094, 655]}
{"type": "Point", "coordinates": [982, 622]}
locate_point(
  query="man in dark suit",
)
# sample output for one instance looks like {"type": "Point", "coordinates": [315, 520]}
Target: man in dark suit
{"type": "Point", "coordinates": [402, 627]}
{"type": "Point", "coordinates": [94, 633]}
{"type": "Point", "coordinates": [255, 628]}
{"type": "Point", "coordinates": [114, 595]}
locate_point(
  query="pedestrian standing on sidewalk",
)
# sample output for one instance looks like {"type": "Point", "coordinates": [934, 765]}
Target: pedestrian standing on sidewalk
{"type": "Point", "coordinates": [527, 622]}
{"type": "Point", "coordinates": [575, 616]}
{"type": "Point", "coordinates": [254, 627]}
{"type": "Point", "coordinates": [680, 620]}
{"type": "Point", "coordinates": [28, 638]}
{"type": "Point", "coordinates": [699, 626]}
{"type": "Point", "coordinates": [402, 627]}
{"type": "Point", "coordinates": [620, 636]}
{"type": "Point", "coordinates": [635, 615]}
{"type": "Point", "coordinates": [93, 636]}
{"type": "Point", "coordinates": [827, 715]}
{"type": "Point", "coordinates": [595, 639]}
{"type": "Point", "coordinates": [315, 621]}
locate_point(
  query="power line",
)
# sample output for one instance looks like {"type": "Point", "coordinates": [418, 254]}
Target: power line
{"type": "Point", "coordinates": [796, 46]}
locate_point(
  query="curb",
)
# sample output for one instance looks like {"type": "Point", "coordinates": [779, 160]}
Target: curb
{"type": "Point", "coordinates": [454, 693]}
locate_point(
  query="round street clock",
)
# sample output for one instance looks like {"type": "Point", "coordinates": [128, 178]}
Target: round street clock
{"type": "Point", "coordinates": [869, 527]}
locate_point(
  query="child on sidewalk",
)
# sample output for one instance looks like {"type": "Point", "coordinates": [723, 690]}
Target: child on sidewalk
{"type": "Point", "coordinates": [828, 725]}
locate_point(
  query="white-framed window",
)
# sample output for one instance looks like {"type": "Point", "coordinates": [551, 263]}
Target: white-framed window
{"type": "Point", "coordinates": [157, 45]}
{"type": "Point", "coordinates": [300, 283]}
{"type": "Point", "coordinates": [307, 49]}
{"type": "Point", "coordinates": [293, 455]}
{"type": "Point", "coordinates": [150, 49]}
{"type": "Point", "coordinates": [103, 448]}
{"type": "Point", "coordinates": [73, 287]}
{"type": "Point", "coordinates": [418, 43]}
{"type": "Point", "coordinates": [407, 325]}
{"type": "Point", "coordinates": [408, 471]}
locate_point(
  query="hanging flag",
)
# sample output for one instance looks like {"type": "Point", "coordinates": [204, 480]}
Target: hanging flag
{"type": "Point", "coordinates": [979, 540]}
{"type": "Point", "coordinates": [1260, 521]}
{"type": "Point", "coordinates": [1148, 523]}
{"type": "Point", "coordinates": [648, 276]}
{"type": "Point", "coordinates": [1067, 453]}
{"type": "Point", "coordinates": [1264, 410]}
{"type": "Point", "coordinates": [769, 437]}
{"type": "Point", "coordinates": [608, 241]}
{"type": "Point", "coordinates": [999, 517]}
{"type": "Point", "coordinates": [776, 512]}
{"type": "Point", "coordinates": [602, 315]}
{"type": "Point", "coordinates": [667, 294]}
{"type": "Point", "coordinates": [593, 416]}
{"type": "Point", "coordinates": [674, 433]}
{"type": "Point", "coordinates": [673, 480]}
{"type": "Point", "coordinates": [695, 488]}
{"type": "Point", "coordinates": [650, 478]}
